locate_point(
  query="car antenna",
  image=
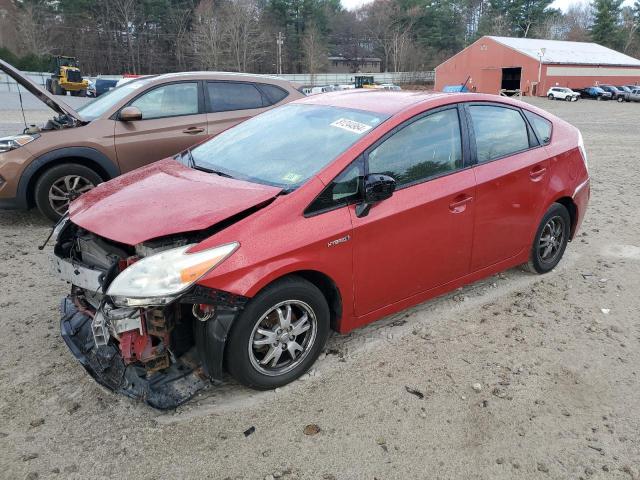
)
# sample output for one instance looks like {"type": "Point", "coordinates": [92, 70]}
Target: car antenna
{"type": "Point", "coordinates": [24, 118]}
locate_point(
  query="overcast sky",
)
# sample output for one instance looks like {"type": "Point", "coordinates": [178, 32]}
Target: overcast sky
{"type": "Point", "coordinates": [563, 4]}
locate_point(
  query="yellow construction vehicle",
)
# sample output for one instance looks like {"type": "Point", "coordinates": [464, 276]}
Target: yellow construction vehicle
{"type": "Point", "coordinates": [66, 77]}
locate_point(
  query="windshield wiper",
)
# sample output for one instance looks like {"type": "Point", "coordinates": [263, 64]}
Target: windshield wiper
{"type": "Point", "coordinates": [195, 166]}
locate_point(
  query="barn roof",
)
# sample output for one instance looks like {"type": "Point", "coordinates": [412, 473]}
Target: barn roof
{"type": "Point", "coordinates": [576, 53]}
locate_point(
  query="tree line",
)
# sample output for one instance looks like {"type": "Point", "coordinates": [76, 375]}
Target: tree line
{"type": "Point", "coordinates": [153, 36]}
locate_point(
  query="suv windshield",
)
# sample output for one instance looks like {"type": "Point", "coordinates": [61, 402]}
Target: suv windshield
{"type": "Point", "coordinates": [285, 146]}
{"type": "Point", "coordinates": [104, 102]}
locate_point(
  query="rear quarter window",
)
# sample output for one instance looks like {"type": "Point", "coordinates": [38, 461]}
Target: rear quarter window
{"type": "Point", "coordinates": [273, 93]}
{"type": "Point", "coordinates": [541, 126]}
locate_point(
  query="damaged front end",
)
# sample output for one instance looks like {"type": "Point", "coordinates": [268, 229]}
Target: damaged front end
{"type": "Point", "coordinates": [161, 349]}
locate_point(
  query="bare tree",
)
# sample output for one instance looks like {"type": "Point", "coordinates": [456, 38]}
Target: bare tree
{"type": "Point", "coordinates": [629, 28]}
{"type": "Point", "coordinates": [242, 18]}
{"type": "Point", "coordinates": [314, 51]}
{"type": "Point", "coordinates": [33, 32]}
{"type": "Point", "coordinates": [208, 37]}
{"type": "Point", "coordinates": [125, 13]}
{"type": "Point", "coordinates": [578, 19]}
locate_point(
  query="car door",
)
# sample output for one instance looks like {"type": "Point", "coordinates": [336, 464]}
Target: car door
{"type": "Point", "coordinates": [421, 237]}
{"type": "Point", "coordinates": [173, 119]}
{"type": "Point", "coordinates": [231, 102]}
{"type": "Point", "coordinates": [511, 178]}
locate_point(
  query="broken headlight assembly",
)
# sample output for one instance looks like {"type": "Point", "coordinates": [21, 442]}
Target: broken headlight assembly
{"type": "Point", "coordinates": [161, 278]}
{"type": "Point", "coordinates": [15, 141]}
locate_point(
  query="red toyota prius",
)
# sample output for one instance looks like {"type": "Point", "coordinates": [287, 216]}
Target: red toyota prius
{"type": "Point", "coordinates": [241, 254]}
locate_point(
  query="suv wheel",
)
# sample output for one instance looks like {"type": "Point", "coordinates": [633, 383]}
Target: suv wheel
{"type": "Point", "coordinates": [620, 99]}
{"type": "Point", "coordinates": [551, 97]}
{"type": "Point", "coordinates": [551, 240]}
{"type": "Point", "coordinates": [61, 184]}
{"type": "Point", "coordinates": [279, 335]}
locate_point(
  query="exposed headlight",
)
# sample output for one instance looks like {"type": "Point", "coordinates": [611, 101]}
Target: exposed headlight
{"type": "Point", "coordinates": [160, 278]}
{"type": "Point", "coordinates": [15, 141]}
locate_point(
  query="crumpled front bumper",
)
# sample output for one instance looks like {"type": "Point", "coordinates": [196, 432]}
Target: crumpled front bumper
{"type": "Point", "coordinates": [162, 390]}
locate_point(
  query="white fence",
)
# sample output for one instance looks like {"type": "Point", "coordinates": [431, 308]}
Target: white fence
{"type": "Point", "coordinates": [7, 84]}
{"type": "Point", "coordinates": [347, 78]}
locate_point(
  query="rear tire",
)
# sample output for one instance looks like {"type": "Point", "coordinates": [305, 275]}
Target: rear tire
{"type": "Point", "coordinates": [56, 89]}
{"type": "Point", "coordinates": [59, 185]}
{"type": "Point", "coordinates": [620, 99]}
{"type": "Point", "coordinates": [249, 354]}
{"type": "Point", "coordinates": [550, 240]}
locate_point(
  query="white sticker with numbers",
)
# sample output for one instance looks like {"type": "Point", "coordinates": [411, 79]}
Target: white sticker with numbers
{"type": "Point", "coordinates": [351, 126]}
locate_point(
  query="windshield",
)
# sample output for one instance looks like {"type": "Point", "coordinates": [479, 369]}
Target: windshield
{"type": "Point", "coordinates": [104, 102]}
{"type": "Point", "coordinates": [285, 146]}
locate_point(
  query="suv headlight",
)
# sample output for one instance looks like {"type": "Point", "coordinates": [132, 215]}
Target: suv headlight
{"type": "Point", "coordinates": [15, 141]}
{"type": "Point", "coordinates": [160, 278]}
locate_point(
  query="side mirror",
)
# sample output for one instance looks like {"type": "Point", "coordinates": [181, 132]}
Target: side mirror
{"type": "Point", "coordinates": [130, 114]}
{"type": "Point", "coordinates": [377, 187]}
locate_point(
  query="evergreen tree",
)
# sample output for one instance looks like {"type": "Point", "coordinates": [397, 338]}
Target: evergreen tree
{"type": "Point", "coordinates": [606, 28]}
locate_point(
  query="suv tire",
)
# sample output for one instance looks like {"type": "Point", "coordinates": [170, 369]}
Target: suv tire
{"type": "Point", "coordinates": [67, 180]}
{"type": "Point", "coordinates": [246, 347]}
{"type": "Point", "coordinates": [551, 97]}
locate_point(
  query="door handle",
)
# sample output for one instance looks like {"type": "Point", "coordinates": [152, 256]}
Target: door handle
{"type": "Point", "coordinates": [459, 203]}
{"type": "Point", "coordinates": [537, 173]}
{"type": "Point", "coordinates": [193, 130]}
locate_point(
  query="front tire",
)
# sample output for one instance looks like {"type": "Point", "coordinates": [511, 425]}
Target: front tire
{"type": "Point", "coordinates": [279, 335]}
{"type": "Point", "coordinates": [61, 184]}
{"type": "Point", "coordinates": [550, 240]}
{"type": "Point", "coordinates": [551, 97]}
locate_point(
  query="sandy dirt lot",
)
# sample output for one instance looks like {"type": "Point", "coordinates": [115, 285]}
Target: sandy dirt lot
{"type": "Point", "coordinates": [556, 358]}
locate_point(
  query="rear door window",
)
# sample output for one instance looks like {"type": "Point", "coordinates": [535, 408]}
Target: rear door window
{"type": "Point", "coordinates": [499, 131]}
{"type": "Point", "coordinates": [228, 96]}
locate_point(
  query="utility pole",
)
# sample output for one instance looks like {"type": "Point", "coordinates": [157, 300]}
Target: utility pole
{"type": "Point", "coordinates": [280, 42]}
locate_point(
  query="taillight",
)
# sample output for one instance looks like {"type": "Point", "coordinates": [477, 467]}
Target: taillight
{"type": "Point", "coordinates": [583, 152]}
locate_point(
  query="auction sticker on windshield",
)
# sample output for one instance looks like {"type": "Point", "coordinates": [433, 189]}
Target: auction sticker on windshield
{"type": "Point", "coordinates": [351, 125]}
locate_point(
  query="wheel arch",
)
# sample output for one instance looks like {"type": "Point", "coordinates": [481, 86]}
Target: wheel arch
{"type": "Point", "coordinates": [572, 208]}
{"type": "Point", "coordinates": [327, 286]}
{"type": "Point", "coordinates": [86, 156]}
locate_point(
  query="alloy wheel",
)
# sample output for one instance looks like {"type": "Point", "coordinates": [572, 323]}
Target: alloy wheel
{"type": "Point", "coordinates": [282, 338]}
{"type": "Point", "coordinates": [66, 189]}
{"type": "Point", "coordinates": [551, 239]}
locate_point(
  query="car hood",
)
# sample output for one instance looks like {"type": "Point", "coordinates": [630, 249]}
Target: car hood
{"type": "Point", "coordinates": [164, 198]}
{"type": "Point", "coordinates": [40, 93]}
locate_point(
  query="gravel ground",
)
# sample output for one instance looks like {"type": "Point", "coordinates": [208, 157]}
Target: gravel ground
{"type": "Point", "coordinates": [522, 376]}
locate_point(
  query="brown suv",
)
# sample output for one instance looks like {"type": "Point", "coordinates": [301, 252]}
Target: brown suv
{"type": "Point", "coordinates": [143, 120]}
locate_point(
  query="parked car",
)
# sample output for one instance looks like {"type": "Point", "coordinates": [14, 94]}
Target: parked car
{"type": "Point", "coordinates": [563, 93]}
{"type": "Point", "coordinates": [142, 121]}
{"type": "Point", "coordinates": [595, 93]}
{"type": "Point", "coordinates": [634, 96]}
{"type": "Point", "coordinates": [104, 85]}
{"type": "Point", "coordinates": [243, 252]}
{"type": "Point", "coordinates": [616, 94]}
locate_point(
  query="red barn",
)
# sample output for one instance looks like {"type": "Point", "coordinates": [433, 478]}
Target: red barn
{"type": "Point", "coordinates": [494, 63]}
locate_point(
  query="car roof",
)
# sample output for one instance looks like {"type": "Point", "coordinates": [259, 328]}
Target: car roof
{"type": "Point", "coordinates": [393, 102]}
{"type": "Point", "coordinates": [388, 102]}
{"type": "Point", "coordinates": [248, 77]}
